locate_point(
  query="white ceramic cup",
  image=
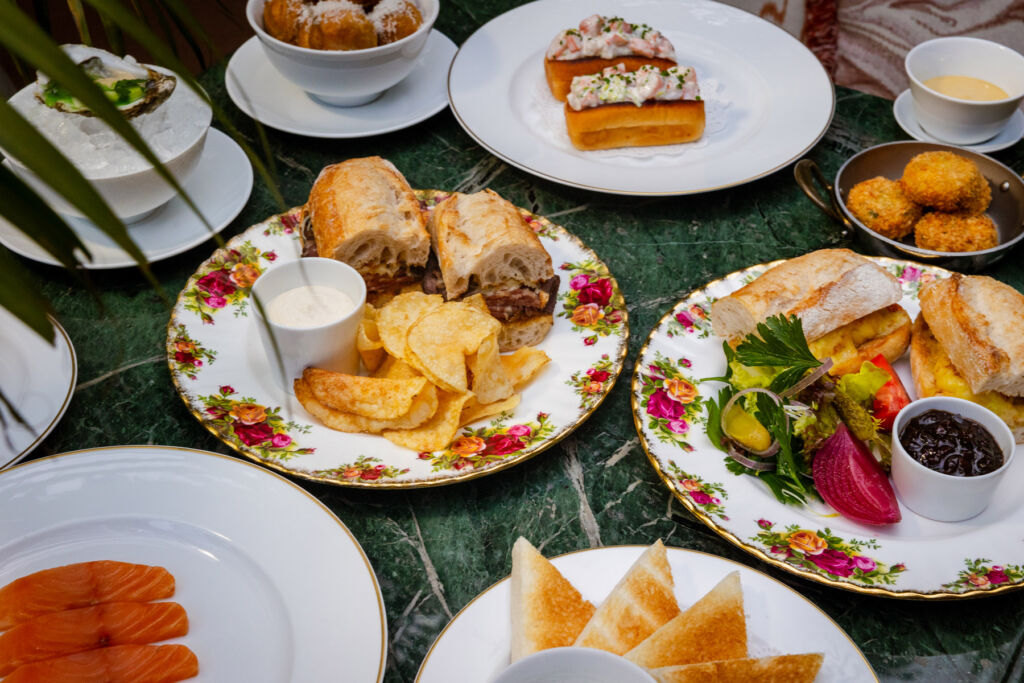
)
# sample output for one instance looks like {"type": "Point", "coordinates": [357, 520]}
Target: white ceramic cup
{"type": "Point", "coordinates": [573, 665]}
{"type": "Point", "coordinates": [944, 497]}
{"type": "Point", "coordinates": [964, 122]}
{"type": "Point", "coordinates": [331, 346]}
{"type": "Point", "coordinates": [345, 78]}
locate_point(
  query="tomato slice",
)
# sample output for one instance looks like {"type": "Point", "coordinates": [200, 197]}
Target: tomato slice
{"type": "Point", "coordinates": [891, 398]}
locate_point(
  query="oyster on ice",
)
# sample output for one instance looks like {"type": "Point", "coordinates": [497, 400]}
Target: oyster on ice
{"type": "Point", "coordinates": [132, 87]}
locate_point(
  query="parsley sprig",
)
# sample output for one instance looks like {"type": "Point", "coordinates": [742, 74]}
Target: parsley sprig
{"type": "Point", "coordinates": [779, 342]}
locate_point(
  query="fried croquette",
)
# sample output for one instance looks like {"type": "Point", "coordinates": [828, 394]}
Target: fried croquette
{"type": "Point", "coordinates": [281, 18]}
{"type": "Point", "coordinates": [946, 182]}
{"type": "Point", "coordinates": [955, 232]}
{"type": "Point", "coordinates": [881, 204]}
{"type": "Point", "coordinates": [336, 25]}
{"type": "Point", "coordinates": [395, 19]}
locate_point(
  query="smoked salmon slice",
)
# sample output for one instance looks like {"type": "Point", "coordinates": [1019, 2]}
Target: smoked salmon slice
{"type": "Point", "coordinates": [116, 664]}
{"type": "Point", "coordinates": [81, 585]}
{"type": "Point", "coordinates": [87, 628]}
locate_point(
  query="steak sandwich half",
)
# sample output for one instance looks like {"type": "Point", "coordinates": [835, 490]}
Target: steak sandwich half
{"type": "Point", "coordinates": [363, 212]}
{"type": "Point", "coordinates": [848, 306]}
{"type": "Point", "coordinates": [483, 245]}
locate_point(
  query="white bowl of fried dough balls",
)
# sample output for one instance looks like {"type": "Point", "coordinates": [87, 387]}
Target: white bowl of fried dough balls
{"type": "Point", "coordinates": [933, 203]}
{"type": "Point", "coordinates": [344, 53]}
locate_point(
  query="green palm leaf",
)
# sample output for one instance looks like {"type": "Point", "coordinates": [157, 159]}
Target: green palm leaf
{"type": "Point", "coordinates": [22, 299]}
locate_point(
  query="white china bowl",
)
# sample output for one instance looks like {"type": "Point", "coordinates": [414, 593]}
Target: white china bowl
{"type": "Point", "coordinates": [573, 665]}
{"type": "Point", "coordinates": [944, 497]}
{"type": "Point", "coordinates": [345, 78]}
{"type": "Point", "coordinates": [331, 346]}
{"type": "Point", "coordinates": [131, 196]}
{"type": "Point", "coordinates": [964, 122]}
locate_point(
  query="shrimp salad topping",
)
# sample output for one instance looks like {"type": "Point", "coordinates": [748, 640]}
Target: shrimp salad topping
{"type": "Point", "coordinates": [609, 37]}
{"type": "Point", "coordinates": [615, 84]}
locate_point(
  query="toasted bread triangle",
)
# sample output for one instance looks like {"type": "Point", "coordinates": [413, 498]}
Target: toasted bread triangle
{"type": "Point", "coordinates": [781, 669]}
{"type": "Point", "coordinates": [640, 603]}
{"type": "Point", "coordinates": [547, 611]}
{"type": "Point", "coordinates": [713, 628]}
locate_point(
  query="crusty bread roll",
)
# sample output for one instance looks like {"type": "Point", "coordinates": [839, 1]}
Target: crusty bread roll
{"type": "Point", "coordinates": [825, 289]}
{"type": "Point", "coordinates": [980, 323]}
{"type": "Point", "coordinates": [780, 669]}
{"type": "Point", "coordinates": [641, 602]}
{"type": "Point", "coordinates": [519, 333]}
{"type": "Point", "coordinates": [623, 124]}
{"type": "Point", "coordinates": [547, 611]}
{"type": "Point", "coordinates": [364, 213]}
{"type": "Point", "coordinates": [713, 628]}
{"type": "Point", "coordinates": [935, 375]}
{"type": "Point", "coordinates": [482, 237]}
{"type": "Point", "coordinates": [560, 72]}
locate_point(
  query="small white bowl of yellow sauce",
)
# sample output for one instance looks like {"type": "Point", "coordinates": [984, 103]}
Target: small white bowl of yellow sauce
{"type": "Point", "coordinates": [964, 89]}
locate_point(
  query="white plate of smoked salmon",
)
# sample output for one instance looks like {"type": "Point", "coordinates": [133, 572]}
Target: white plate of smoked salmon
{"type": "Point", "coordinates": [159, 564]}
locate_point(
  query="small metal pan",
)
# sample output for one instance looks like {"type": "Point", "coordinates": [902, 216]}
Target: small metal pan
{"type": "Point", "coordinates": [888, 160]}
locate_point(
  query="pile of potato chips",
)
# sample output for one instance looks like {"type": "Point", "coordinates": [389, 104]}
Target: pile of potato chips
{"type": "Point", "coordinates": [434, 367]}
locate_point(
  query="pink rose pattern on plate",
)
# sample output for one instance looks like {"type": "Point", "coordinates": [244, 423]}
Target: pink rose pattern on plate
{"type": "Point", "coordinates": [187, 355]}
{"type": "Point", "coordinates": [593, 303]}
{"type": "Point", "coordinates": [824, 553]}
{"type": "Point", "coordinates": [708, 496]}
{"type": "Point", "coordinates": [592, 384]}
{"type": "Point", "coordinates": [258, 428]}
{"type": "Point", "coordinates": [980, 573]}
{"type": "Point", "coordinates": [225, 281]}
{"type": "Point", "coordinates": [364, 468]}
{"type": "Point", "coordinates": [476, 448]}
{"type": "Point", "coordinates": [670, 401]}
{"type": "Point", "coordinates": [288, 223]}
{"type": "Point", "coordinates": [694, 318]}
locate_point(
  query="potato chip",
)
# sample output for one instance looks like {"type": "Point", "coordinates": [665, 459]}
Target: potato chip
{"type": "Point", "coordinates": [377, 397]}
{"type": "Point", "coordinates": [423, 408]}
{"type": "Point", "coordinates": [523, 365]}
{"type": "Point", "coordinates": [490, 382]}
{"type": "Point", "coordinates": [439, 342]}
{"type": "Point", "coordinates": [399, 369]}
{"type": "Point", "coordinates": [394, 320]}
{"type": "Point", "coordinates": [437, 432]}
{"type": "Point", "coordinates": [477, 302]}
{"type": "Point", "coordinates": [368, 343]}
{"type": "Point", "coordinates": [474, 411]}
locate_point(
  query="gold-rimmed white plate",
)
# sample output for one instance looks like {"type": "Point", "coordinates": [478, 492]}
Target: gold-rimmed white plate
{"type": "Point", "coordinates": [38, 379]}
{"type": "Point", "coordinates": [475, 645]}
{"type": "Point", "coordinates": [767, 98]}
{"type": "Point", "coordinates": [222, 372]}
{"type": "Point", "coordinates": [916, 558]}
{"type": "Point", "coordinates": [276, 588]}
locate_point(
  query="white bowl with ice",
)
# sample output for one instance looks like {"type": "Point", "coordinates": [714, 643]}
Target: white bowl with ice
{"type": "Point", "coordinates": [175, 131]}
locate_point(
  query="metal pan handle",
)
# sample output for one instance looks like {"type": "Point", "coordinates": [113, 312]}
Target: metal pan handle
{"type": "Point", "coordinates": [812, 181]}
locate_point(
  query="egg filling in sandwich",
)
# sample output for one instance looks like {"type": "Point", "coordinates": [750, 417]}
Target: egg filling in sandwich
{"type": "Point", "coordinates": [484, 245]}
{"type": "Point", "coordinates": [363, 212]}
{"type": "Point", "coordinates": [967, 343]}
{"type": "Point", "coordinates": [848, 306]}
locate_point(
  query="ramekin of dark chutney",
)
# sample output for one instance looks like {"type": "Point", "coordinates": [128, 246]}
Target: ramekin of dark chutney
{"type": "Point", "coordinates": [951, 444]}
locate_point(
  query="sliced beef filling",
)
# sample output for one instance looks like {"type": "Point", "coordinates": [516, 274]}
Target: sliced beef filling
{"type": "Point", "coordinates": [517, 303]}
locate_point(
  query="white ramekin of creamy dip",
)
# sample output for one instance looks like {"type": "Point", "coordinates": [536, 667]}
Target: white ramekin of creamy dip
{"type": "Point", "coordinates": [955, 119]}
{"type": "Point", "coordinates": [311, 309]}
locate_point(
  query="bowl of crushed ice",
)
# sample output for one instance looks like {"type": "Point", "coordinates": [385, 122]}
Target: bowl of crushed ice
{"type": "Point", "coordinates": [168, 115]}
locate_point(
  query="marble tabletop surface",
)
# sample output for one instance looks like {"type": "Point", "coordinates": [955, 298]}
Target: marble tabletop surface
{"type": "Point", "coordinates": [433, 550]}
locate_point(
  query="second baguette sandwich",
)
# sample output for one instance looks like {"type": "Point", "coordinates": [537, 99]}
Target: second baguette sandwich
{"type": "Point", "coordinates": [484, 245]}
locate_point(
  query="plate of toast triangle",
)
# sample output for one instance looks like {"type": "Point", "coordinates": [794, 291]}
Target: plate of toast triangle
{"type": "Point", "coordinates": [678, 613]}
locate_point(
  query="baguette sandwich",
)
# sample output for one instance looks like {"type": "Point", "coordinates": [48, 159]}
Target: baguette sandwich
{"type": "Point", "coordinates": [601, 42]}
{"type": "Point", "coordinates": [363, 212]}
{"type": "Point", "coordinates": [621, 108]}
{"type": "Point", "coordinates": [483, 245]}
{"type": "Point", "coordinates": [846, 303]}
{"type": "Point", "coordinates": [967, 343]}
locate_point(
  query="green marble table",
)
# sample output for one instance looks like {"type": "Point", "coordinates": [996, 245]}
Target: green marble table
{"type": "Point", "coordinates": [434, 550]}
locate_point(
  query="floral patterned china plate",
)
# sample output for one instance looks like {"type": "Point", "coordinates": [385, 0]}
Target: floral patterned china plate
{"type": "Point", "coordinates": [475, 645]}
{"type": "Point", "coordinates": [276, 588]}
{"type": "Point", "coordinates": [915, 558]}
{"type": "Point", "coordinates": [222, 373]}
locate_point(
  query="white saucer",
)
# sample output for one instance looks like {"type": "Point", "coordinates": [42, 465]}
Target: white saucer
{"type": "Point", "coordinates": [259, 90]}
{"type": "Point", "coordinates": [38, 379]}
{"type": "Point", "coordinates": [903, 110]}
{"type": "Point", "coordinates": [219, 186]}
